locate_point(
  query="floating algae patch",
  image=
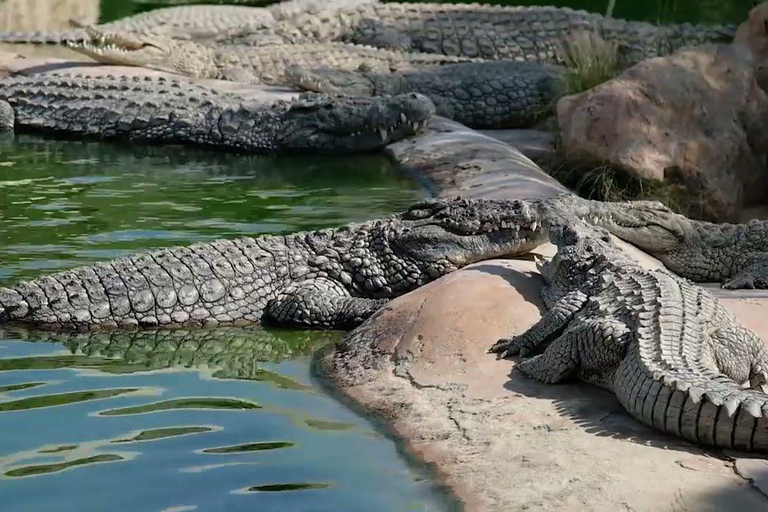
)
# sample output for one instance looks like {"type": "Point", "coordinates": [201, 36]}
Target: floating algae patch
{"type": "Point", "coordinates": [43, 469]}
{"type": "Point", "coordinates": [162, 433]}
{"type": "Point", "coordinates": [251, 447]}
{"type": "Point", "coordinates": [19, 387]}
{"type": "Point", "coordinates": [319, 424]}
{"type": "Point", "coordinates": [58, 362]}
{"type": "Point", "coordinates": [183, 403]}
{"type": "Point", "coordinates": [287, 487]}
{"type": "Point", "coordinates": [58, 449]}
{"type": "Point", "coordinates": [36, 402]}
{"type": "Point", "coordinates": [280, 381]}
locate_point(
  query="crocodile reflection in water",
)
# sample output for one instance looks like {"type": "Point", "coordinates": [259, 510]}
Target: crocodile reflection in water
{"type": "Point", "coordinates": [231, 353]}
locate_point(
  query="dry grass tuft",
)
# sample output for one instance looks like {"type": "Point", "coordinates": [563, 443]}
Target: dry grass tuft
{"type": "Point", "coordinates": [590, 59]}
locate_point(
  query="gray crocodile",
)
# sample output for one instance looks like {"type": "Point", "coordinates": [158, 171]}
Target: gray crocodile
{"type": "Point", "coordinates": [333, 278]}
{"type": "Point", "coordinates": [675, 358]}
{"type": "Point", "coordinates": [190, 21]}
{"type": "Point", "coordinates": [476, 30]}
{"type": "Point", "coordinates": [158, 110]}
{"type": "Point", "coordinates": [734, 254]}
{"type": "Point", "coordinates": [251, 64]}
{"type": "Point", "coordinates": [493, 94]}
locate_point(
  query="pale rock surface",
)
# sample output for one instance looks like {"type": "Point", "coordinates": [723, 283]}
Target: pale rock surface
{"type": "Point", "coordinates": [753, 35]}
{"type": "Point", "coordinates": [695, 117]}
{"type": "Point", "coordinates": [506, 443]}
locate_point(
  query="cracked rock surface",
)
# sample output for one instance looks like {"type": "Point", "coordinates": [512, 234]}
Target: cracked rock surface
{"type": "Point", "coordinates": [504, 442]}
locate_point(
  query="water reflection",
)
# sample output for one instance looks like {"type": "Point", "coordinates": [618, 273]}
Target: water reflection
{"type": "Point", "coordinates": [180, 420]}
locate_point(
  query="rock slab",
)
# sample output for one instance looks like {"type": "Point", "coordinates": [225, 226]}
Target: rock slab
{"type": "Point", "coordinates": [695, 117]}
{"type": "Point", "coordinates": [504, 442]}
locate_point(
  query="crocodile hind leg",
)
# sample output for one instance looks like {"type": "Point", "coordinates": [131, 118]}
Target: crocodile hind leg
{"type": "Point", "coordinates": [320, 303]}
{"type": "Point", "coordinates": [7, 116]}
{"type": "Point", "coordinates": [591, 349]}
{"type": "Point", "coordinates": [752, 276]}
{"type": "Point", "coordinates": [554, 321]}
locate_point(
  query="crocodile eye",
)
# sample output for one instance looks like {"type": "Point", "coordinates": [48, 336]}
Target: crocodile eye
{"type": "Point", "coordinates": [417, 214]}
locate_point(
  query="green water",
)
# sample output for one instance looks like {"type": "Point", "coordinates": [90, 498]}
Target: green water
{"type": "Point", "coordinates": [224, 420]}
{"type": "Point", "coordinates": [655, 11]}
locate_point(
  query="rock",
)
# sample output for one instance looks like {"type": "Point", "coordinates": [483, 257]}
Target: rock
{"type": "Point", "coordinates": [695, 117]}
{"type": "Point", "coordinates": [504, 442]}
{"type": "Point", "coordinates": [752, 34]}
{"type": "Point", "coordinates": [754, 470]}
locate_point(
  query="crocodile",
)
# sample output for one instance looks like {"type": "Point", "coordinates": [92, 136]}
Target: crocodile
{"type": "Point", "coordinates": [332, 278]}
{"type": "Point", "coordinates": [252, 64]}
{"type": "Point", "coordinates": [674, 357]}
{"type": "Point", "coordinates": [189, 21]}
{"type": "Point", "coordinates": [734, 254]}
{"type": "Point", "coordinates": [492, 94]}
{"type": "Point", "coordinates": [477, 30]}
{"type": "Point", "coordinates": [158, 110]}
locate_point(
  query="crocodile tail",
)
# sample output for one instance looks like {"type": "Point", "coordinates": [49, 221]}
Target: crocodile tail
{"type": "Point", "coordinates": [708, 409]}
{"type": "Point", "coordinates": [12, 305]}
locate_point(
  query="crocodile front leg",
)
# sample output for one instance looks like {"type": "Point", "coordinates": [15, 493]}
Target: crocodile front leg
{"type": "Point", "coordinates": [591, 349]}
{"type": "Point", "coordinates": [752, 276]}
{"type": "Point", "coordinates": [554, 321]}
{"type": "Point", "coordinates": [320, 303]}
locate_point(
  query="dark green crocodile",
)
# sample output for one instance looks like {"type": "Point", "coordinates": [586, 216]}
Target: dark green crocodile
{"type": "Point", "coordinates": [675, 358]}
{"type": "Point", "coordinates": [475, 30]}
{"type": "Point", "coordinates": [158, 110]}
{"type": "Point", "coordinates": [493, 94]}
{"type": "Point", "coordinates": [332, 278]}
{"type": "Point", "coordinates": [734, 254]}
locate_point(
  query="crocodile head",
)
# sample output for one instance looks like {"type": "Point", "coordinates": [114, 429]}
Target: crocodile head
{"type": "Point", "coordinates": [448, 234]}
{"type": "Point", "coordinates": [345, 123]}
{"type": "Point", "coordinates": [582, 252]}
{"type": "Point", "coordinates": [329, 81]}
{"type": "Point", "coordinates": [649, 225]}
{"type": "Point", "coordinates": [147, 49]}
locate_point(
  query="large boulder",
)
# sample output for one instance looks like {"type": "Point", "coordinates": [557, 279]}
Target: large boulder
{"type": "Point", "coordinates": [694, 118]}
{"type": "Point", "coordinates": [753, 35]}
{"type": "Point", "coordinates": [505, 442]}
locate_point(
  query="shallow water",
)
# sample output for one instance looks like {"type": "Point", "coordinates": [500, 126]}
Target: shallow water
{"type": "Point", "coordinates": [187, 420]}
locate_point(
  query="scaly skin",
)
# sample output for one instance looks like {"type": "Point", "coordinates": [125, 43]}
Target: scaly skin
{"type": "Point", "coordinates": [480, 94]}
{"type": "Point", "coordinates": [734, 254]}
{"type": "Point", "coordinates": [333, 278]}
{"type": "Point", "coordinates": [251, 64]}
{"type": "Point", "coordinates": [190, 21]}
{"type": "Point", "coordinates": [157, 110]}
{"type": "Point", "coordinates": [476, 30]}
{"type": "Point", "coordinates": [674, 357]}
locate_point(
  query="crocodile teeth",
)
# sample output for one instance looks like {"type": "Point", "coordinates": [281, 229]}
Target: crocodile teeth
{"type": "Point", "coordinates": [753, 408]}
{"type": "Point", "coordinates": [731, 405]}
{"type": "Point", "coordinates": [383, 134]}
{"type": "Point", "coordinates": [695, 394]}
{"type": "Point", "coordinates": [403, 119]}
